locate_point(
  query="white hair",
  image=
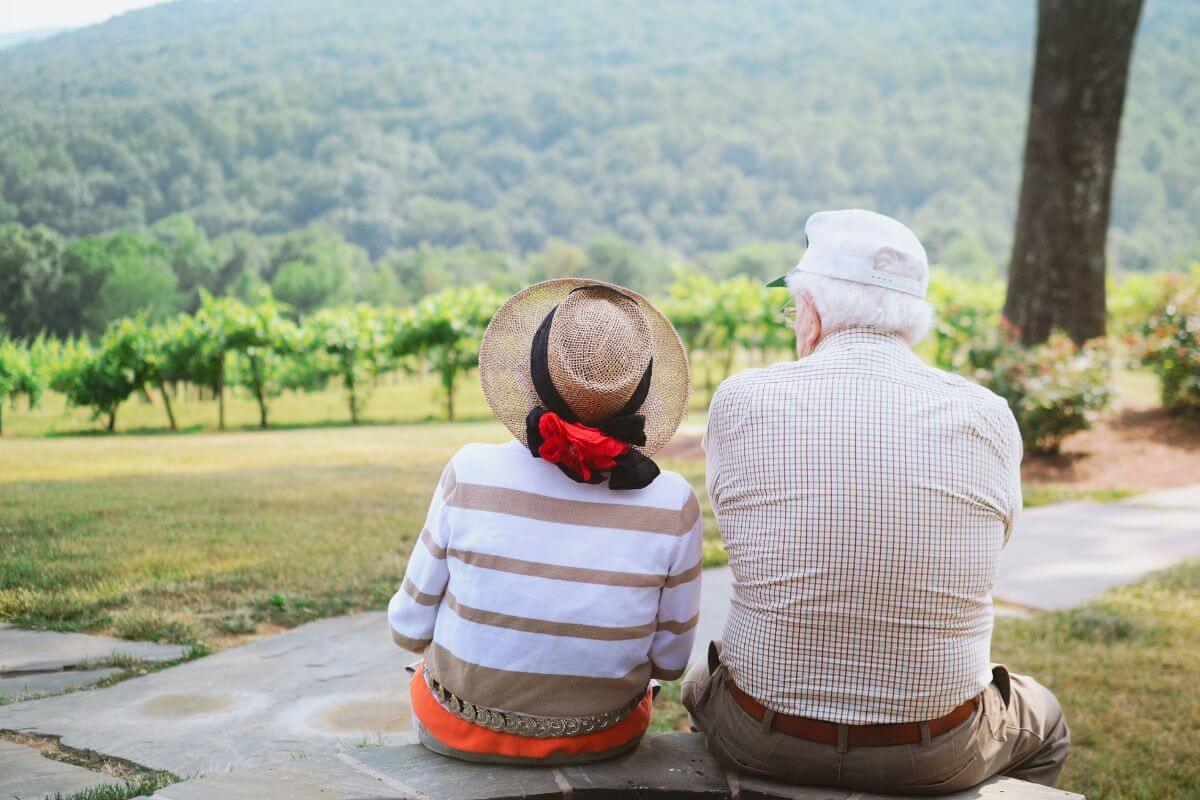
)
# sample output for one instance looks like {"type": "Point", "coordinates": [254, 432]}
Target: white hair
{"type": "Point", "coordinates": [846, 304]}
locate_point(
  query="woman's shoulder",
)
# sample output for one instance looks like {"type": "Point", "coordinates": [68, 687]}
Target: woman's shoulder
{"type": "Point", "coordinates": [673, 490]}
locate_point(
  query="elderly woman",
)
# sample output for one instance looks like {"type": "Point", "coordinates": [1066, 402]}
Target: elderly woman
{"type": "Point", "coordinates": [557, 574]}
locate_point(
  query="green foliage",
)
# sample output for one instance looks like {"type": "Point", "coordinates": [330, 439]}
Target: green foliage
{"type": "Point", "coordinates": [14, 367]}
{"type": "Point", "coordinates": [262, 338]}
{"type": "Point", "coordinates": [33, 297]}
{"type": "Point", "coordinates": [125, 361]}
{"type": "Point", "coordinates": [444, 332]}
{"type": "Point", "coordinates": [723, 318]}
{"type": "Point", "coordinates": [693, 134]}
{"type": "Point", "coordinates": [1168, 338]}
{"type": "Point", "coordinates": [1054, 389]}
{"type": "Point", "coordinates": [968, 313]}
{"type": "Point", "coordinates": [354, 343]}
{"type": "Point", "coordinates": [136, 277]}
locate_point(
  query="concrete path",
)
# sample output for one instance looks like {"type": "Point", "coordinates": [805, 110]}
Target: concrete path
{"type": "Point", "coordinates": [1065, 554]}
{"type": "Point", "coordinates": [27, 775]}
{"type": "Point", "coordinates": [22, 685]}
{"type": "Point", "coordinates": [24, 650]}
{"type": "Point", "coordinates": [334, 684]}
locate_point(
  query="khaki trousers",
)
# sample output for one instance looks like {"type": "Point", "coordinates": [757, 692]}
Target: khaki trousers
{"type": "Point", "coordinates": [1017, 730]}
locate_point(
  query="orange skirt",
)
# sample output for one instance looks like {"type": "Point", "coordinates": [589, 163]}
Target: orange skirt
{"type": "Point", "coordinates": [469, 737]}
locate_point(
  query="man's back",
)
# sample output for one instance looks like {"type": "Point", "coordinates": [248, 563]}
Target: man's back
{"type": "Point", "coordinates": [864, 498]}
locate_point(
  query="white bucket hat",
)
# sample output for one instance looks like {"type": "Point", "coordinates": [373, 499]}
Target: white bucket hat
{"type": "Point", "coordinates": [863, 247]}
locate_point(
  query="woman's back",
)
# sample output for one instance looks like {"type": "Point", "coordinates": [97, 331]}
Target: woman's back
{"type": "Point", "coordinates": [543, 596]}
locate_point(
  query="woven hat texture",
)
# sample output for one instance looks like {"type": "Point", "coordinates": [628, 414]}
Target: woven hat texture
{"type": "Point", "coordinates": [600, 342]}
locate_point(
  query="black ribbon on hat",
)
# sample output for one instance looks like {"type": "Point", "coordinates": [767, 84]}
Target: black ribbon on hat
{"type": "Point", "coordinates": [634, 470]}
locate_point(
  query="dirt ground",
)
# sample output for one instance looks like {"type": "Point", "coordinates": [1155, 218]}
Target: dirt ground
{"type": "Point", "coordinates": [1136, 449]}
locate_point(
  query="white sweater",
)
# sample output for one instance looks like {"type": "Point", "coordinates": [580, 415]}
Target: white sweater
{"type": "Point", "coordinates": [530, 592]}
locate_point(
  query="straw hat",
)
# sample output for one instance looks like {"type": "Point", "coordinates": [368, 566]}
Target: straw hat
{"type": "Point", "coordinates": [601, 341]}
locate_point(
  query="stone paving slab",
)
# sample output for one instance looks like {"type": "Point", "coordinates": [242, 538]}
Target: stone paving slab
{"type": "Point", "coordinates": [312, 778]}
{"type": "Point", "coordinates": [1065, 554]}
{"type": "Point", "coordinates": [329, 685]}
{"type": "Point", "coordinates": [25, 774]}
{"type": "Point", "coordinates": [23, 650]}
{"type": "Point", "coordinates": [26, 684]}
{"type": "Point", "coordinates": [673, 766]}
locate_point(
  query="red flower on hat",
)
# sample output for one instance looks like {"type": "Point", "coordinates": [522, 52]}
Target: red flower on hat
{"type": "Point", "coordinates": [577, 447]}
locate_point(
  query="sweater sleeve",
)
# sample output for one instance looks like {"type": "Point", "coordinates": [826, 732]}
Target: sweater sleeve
{"type": "Point", "coordinates": [413, 610]}
{"type": "Point", "coordinates": [679, 601]}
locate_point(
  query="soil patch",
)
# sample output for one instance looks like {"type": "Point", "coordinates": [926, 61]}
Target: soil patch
{"type": "Point", "coordinates": [1136, 449]}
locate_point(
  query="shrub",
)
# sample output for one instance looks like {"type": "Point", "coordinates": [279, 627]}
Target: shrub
{"type": "Point", "coordinates": [968, 312]}
{"type": "Point", "coordinates": [1168, 340]}
{"type": "Point", "coordinates": [1054, 389]}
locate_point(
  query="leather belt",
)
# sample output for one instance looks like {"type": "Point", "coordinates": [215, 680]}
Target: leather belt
{"type": "Point", "coordinates": [879, 735]}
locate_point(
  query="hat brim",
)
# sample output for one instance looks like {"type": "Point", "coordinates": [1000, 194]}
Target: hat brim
{"type": "Point", "coordinates": [504, 361]}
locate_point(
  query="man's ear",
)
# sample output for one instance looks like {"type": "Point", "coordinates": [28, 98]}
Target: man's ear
{"type": "Point", "coordinates": [814, 330]}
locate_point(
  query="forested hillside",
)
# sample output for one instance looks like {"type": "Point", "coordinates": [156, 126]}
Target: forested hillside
{"type": "Point", "coordinates": [685, 127]}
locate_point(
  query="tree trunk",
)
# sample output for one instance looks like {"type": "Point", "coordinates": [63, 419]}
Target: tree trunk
{"type": "Point", "coordinates": [353, 400]}
{"type": "Point", "coordinates": [1056, 274]}
{"type": "Point", "coordinates": [259, 394]}
{"type": "Point", "coordinates": [166, 398]}
{"type": "Point", "coordinates": [221, 396]}
{"type": "Point", "coordinates": [112, 420]}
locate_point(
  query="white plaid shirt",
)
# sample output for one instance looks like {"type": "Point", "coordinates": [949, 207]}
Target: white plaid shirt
{"type": "Point", "coordinates": [864, 498]}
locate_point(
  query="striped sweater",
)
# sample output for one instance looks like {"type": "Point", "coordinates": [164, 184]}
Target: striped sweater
{"type": "Point", "coordinates": [529, 592]}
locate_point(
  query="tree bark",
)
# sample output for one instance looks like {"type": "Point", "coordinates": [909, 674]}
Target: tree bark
{"type": "Point", "coordinates": [166, 398]}
{"type": "Point", "coordinates": [112, 420]}
{"type": "Point", "coordinates": [1057, 270]}
{"type": "Point", "coordinates": [221, 397]}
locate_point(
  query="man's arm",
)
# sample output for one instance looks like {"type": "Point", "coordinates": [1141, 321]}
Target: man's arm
{"type": "Point", "coordinates": [413, 610]}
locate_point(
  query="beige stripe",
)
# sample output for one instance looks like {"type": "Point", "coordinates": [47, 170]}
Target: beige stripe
{"type": "Point", "coordinates": [415, 645]}
{"type": "Point", "coordinates": [436, 550]}
{"type": "Point", "coordinates": [687, 576]}
{"type": "Point", "coordinates": [532, 692]}
{"type": "Point", "coordinates": [478, 497]}
{"type": "Point", "coordinates": [691, 514]}
{"type": "Point", "coordinates": [556, 572]}
{"type": "Point", "coordinates": [671, 626]}
{"type": "Point", "coordinates": [531, 625]}
{"type": "Point", "coordinates": [448, 482]}
{"type": "Point", "coordinates": [418, 595]}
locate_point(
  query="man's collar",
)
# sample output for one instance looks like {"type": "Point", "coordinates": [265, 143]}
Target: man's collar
{"type": "Point", "coordinates": [857, 337]}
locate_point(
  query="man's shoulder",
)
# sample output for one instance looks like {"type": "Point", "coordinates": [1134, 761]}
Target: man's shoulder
{"type": "Point", "coordinates": [748, 379]}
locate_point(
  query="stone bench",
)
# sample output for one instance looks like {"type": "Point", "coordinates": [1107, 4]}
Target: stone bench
{"type": "Point", "coordinates": [672, 766]}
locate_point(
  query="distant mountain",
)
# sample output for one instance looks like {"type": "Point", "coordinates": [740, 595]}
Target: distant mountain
{"type": "Point", "coordinates": [683, 125]}
{"type": "Point", "coordinates": [10, 38]}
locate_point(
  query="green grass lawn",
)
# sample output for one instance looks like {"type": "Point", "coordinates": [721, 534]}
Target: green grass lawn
{"type": "Point", "coordinates": [217, 537]}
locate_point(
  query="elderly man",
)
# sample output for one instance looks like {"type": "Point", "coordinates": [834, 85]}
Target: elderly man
{"type": "Point", "coordinates": [864, 498]}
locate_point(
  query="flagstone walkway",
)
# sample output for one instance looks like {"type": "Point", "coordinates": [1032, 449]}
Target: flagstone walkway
{"type": "Point", "coordinates": [339, 685]}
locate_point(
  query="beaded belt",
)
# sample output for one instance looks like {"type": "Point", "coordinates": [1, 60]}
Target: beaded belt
{"type": "Point", "coordinates": [526, 724]}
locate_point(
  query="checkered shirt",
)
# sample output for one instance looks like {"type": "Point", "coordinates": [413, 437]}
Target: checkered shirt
{"type": "Point", "coordinates": [864, 498]}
